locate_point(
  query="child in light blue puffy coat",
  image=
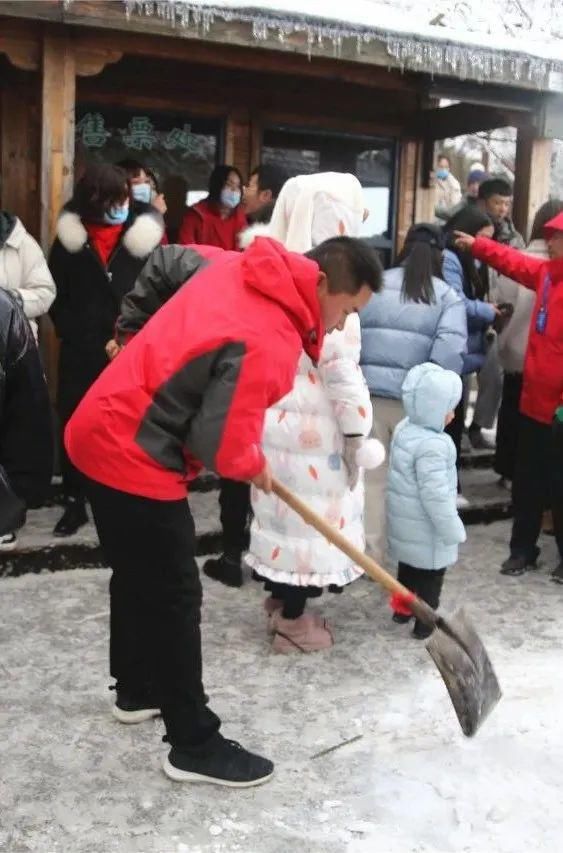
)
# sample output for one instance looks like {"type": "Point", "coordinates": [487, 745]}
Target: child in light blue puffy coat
{"type": "Point", "coordinates": [424, 528]}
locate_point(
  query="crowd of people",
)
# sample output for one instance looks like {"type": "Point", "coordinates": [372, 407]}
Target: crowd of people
{"type": "Point", "coordinates": [267, 342]}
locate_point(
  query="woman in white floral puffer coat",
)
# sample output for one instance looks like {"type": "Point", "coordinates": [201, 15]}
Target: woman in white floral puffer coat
{"type": "Point", "coordinates": [312, 437]}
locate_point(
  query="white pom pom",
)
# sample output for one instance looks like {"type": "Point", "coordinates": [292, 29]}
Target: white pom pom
{"type": "Point", "coordinates": [371, 454]}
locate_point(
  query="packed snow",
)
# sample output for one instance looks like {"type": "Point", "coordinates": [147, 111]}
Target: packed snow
{"type": "Point", "coordinates": [73, 779]}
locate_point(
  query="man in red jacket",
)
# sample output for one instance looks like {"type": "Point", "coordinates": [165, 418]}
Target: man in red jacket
{"type": "Point", "coordinates": [193, 387]}
{"type": "Point", "coordinates": [538, 476]}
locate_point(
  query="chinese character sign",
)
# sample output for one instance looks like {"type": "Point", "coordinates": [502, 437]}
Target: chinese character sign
{"type": "Point", "coordinates": [91, 130]}
{"type": "Point", "coordinates": [140, 133]}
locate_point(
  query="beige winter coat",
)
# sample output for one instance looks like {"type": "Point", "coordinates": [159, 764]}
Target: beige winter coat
{"type": "Point", "coordinates": [447, 193]}
{"type": "Point", "coordinates": [24, 270]}
{"type": "Point", "coordinates": [513, 340]}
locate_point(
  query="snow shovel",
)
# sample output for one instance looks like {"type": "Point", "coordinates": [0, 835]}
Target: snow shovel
{"type": "Point", "coordinates": [454, 646]}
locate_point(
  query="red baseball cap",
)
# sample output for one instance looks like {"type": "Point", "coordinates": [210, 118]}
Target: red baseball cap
{"type": "Point", "coordinates": [555, 224]}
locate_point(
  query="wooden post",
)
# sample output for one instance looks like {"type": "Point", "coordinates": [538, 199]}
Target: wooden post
{"type": "Point", "coordinates": [58, 94]}
{"type": "Point", "coordinates": [532, 177]}
{"type": "Point", "coordinates": [238, 142]}
{"type": "Point", "coordinates": [406, 191]}
{"type": "Point", "coordinates": [19, 142]}
{"type": "Point", "coordinates": [425, 193]}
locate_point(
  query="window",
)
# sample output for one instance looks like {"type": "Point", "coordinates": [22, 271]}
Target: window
{"type": "Point", "coordinates": [178, 147]}
{"type": "Point", "coordinates": [372, 160]}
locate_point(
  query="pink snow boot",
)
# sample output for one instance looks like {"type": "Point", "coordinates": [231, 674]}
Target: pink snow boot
{"type": "Point", "coordinates": [308, 633]}
{"type": "Point", "coordinates": [272, 604]}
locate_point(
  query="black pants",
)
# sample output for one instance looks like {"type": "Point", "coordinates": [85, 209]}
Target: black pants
{"type": "Point", "coordinates": [507, 426]}
{"type": "Point", "coordinates": [456, 427]}
{"type": "Point", "coordinates": [234, 500]}
{"type": "Point", "coordinates": [155, 606]}
{"type": "Point", "coordinates": [536, 484]}
{"type": "Point", "coordinates": [426, 583]}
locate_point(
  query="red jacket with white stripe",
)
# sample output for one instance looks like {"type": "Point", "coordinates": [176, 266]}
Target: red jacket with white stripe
{"type": "Point", "coordinates": [194, 384]}
{"type": "Point", "coordinates": [543, 365]}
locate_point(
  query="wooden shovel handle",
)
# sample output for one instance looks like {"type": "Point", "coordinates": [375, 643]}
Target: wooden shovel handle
{"type": "Point", "coordinates": [422, 610]}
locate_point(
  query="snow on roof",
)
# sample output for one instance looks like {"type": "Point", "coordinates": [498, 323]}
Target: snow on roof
{"type": "Point", "coordinates": [481, 39]}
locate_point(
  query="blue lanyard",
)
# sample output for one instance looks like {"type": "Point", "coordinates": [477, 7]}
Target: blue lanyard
{"type": "Point", "coordinates": [541, 319]}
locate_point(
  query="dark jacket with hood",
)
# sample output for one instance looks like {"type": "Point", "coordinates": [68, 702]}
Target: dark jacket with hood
{"type": "Point", "coordinates": [89, 294]}
{"type": "Point", "coordinates": [194, 385]}
{"type": "Point", "coordinates": [26, 441]}
{"type": "Point", "coordinates": [167, 269]}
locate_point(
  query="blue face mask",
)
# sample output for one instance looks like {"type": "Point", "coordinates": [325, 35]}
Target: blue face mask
{"type": "Point", "coordinates": [141, 192]}
{"type": "Point", "coordinates": [442, 174]}
{"type": "Point", "coordinates": [117, 214]}
{"type": "Point", "coordinates": [230, 198]}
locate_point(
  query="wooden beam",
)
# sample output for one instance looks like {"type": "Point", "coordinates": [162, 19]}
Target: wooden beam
{"type": "Point", "coordinates": [110, 14]}
{"type": "Point", "coordinates": [21, 43]}
{"type": "Point", "coordinates": [532, 177]}
{"type": "Point", "coordinates": [58, 88]}
{"type": "Point", "coordinates": [459, 119]}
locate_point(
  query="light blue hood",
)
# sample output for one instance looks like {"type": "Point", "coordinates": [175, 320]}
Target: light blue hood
{"type": "Point", "coordinates": [429, 393]}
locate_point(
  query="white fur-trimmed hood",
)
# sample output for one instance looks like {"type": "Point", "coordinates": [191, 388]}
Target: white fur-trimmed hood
{"type": "Point", "coordinates": [139, 240]}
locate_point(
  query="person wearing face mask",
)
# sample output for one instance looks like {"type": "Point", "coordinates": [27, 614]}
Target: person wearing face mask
{"type": "Point", "coordinates": [446, 187]}
{"type": "Point", "coordinates": [218, 219]}
{"type": "Point", "coordinates": [102, 242]}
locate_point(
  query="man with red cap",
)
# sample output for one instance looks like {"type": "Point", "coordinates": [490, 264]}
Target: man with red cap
{"type": "Point", "coordinates": [538, 477]}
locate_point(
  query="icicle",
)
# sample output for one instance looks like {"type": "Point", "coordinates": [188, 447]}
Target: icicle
{"type": "Point", "coordinates": [415, 51]}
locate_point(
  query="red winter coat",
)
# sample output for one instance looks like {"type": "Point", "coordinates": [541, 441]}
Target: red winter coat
{"type": "Point", "coordinates": [195, 382]}
{"type": "Point", "coordinates": [543, 365]}
{"type": "Point", "coordinates": [202, 224]}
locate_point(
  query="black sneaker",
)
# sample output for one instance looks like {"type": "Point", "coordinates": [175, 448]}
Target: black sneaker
{"type": "Point", "coordinates": [421, 631]}
{"type": "Point", "coordinates": [134, 708]}
{"type": "Point", "coordinates": [225, 570]}
{"type": "Point", "coordinates": [218, 762]}
{"type": "Point", "coordinates": [557, 574]}
{"type": "Point", "coordinates": [401, 618]}
{"type": "Point", "coordinates": [73, 518]}
{"type": "Point", "coordinates": [516, 566]}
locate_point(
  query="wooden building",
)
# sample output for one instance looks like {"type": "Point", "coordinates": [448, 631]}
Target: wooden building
{"type": "Point", "coordinates": [202, 83]}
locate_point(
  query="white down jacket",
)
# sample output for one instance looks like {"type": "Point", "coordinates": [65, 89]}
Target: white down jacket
{"type": "Point", "coordinates": [303, 442]}
{"type": "Point", "coordinates": [24, 270]}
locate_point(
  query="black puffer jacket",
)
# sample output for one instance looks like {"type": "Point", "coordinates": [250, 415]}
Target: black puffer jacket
{"type": "Point", "coordinates": [89, 295]}
{"type": "Point", "coordinates": [26, 440]}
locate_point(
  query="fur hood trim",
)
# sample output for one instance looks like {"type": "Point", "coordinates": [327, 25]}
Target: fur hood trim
{"type": "Point", "coordinates": [139, 240]}
{"type": "Point", "coordinates": [144, 235]}
{"type": "Point", "coordinates": [246, 237]}
{"type": "Point", "coordinates": [71, 232]}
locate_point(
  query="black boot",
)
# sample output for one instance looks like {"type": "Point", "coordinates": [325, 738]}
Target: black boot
{"type": "Point", "coordinates": [227, 569]}
{"type": "Point", "coordinates": [429, 587]}
{"type": "Point", "coordinates": [557, 574]}
{"type": "Point", "coordinates": [73, 518]}
{"type": "Point", "coordinates": [518, 565]}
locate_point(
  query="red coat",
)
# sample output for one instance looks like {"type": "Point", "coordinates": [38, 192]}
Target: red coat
{"type": "Point", "coordinates": [195, 382]}
{"type": "Point", "coordinates": [543, 365]}
{"type": "Point", "coordinates": [202, 224]}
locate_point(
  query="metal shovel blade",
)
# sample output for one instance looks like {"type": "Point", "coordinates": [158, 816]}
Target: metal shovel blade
{"type": "Point", "coordinates": [464, 664]}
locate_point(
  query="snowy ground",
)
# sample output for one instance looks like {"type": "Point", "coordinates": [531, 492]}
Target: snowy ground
{"type": "Point", "coordinates": [74, 780]}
